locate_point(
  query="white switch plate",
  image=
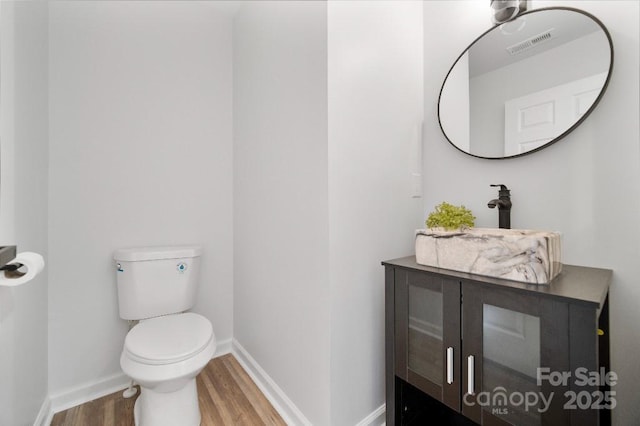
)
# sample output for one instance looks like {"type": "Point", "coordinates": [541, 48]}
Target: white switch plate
{"type": "Point", "coordinates": [416, 185]}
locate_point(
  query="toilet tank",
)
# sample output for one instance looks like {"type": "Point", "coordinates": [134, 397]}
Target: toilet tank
{"type": "Point", "coordinates": [154, 281]}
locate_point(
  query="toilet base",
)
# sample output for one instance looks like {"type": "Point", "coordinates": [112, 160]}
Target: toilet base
{"type": "Point", "coordinates": [169, 408]}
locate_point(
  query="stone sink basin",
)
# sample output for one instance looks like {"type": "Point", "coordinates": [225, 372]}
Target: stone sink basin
{"type": "Point", "coordinates": [513, 254]}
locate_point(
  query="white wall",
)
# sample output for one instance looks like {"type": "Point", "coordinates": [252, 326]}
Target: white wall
{"type": "Point", "coordinates": [281, 293]}
{"type": "Point", "coordinates": [375, 104]}
{"type": "Point", "coordinates": [318, 204]}
{"type": "Point", "coordinates": [7, 113]}
{"type": "Point", "coordinates": [587, 186]}
{"type": "Point", "coordinates": [23, 207]}
{"type": "Point", "coordinates": [140, 154]}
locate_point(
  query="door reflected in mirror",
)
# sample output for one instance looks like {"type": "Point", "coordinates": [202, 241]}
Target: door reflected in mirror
{"type": "Point", "coordinates": [525, 84]}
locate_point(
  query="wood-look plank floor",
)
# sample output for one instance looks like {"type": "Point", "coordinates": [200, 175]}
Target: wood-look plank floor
{"type": "Point", "coordinates": [227, 396]}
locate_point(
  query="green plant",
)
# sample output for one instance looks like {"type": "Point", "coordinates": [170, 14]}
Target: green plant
{"type": "Point", "coordinates": [450, 217]}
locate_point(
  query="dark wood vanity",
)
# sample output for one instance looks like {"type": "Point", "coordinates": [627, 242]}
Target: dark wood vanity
{"type": "Point", "coordinates": [469, 349]}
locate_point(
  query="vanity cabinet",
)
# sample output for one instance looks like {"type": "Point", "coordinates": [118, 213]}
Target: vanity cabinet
{"type": "Point", "coordinates": [481, 350]}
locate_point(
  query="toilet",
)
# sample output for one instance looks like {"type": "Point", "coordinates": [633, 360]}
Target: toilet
{"type": "Point", "coordinates": [169, 347]}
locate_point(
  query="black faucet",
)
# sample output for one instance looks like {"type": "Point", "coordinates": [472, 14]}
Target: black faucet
{"type": "Point", "coordinates": [504, 206]}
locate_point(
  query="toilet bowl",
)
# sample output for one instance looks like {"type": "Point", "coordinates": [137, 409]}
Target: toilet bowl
{"type": "Point", "coordinates": [164, 355]}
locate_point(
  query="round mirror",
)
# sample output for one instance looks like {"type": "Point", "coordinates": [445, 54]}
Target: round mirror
{"type": "Point", "coordinates": [525, 84]}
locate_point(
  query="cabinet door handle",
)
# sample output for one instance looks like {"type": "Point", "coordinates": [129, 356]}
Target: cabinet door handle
{"type": "Point", "coordinates": [449, 365]}
{"type": "Point", "coordinates": [470, 384]}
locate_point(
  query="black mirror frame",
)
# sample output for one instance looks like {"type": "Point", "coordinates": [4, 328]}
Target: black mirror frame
{"type": "Point", "coordinates": [570, 129]}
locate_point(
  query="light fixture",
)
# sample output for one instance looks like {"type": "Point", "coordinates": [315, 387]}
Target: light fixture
{"type": "Point", "coordinates": [506, 10]}
{"type": "Point", "coordinates": [514, 26]}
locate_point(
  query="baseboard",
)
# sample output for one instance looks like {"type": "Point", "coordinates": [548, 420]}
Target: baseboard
{"type": "Point", "coordinates": [86, 392]}
{"type": "Point", "coordinates": [282, 404]}
{"type": "Point", "coordinates": [377, 418]}
{"type": "Point", "coordinates": [45, 415]}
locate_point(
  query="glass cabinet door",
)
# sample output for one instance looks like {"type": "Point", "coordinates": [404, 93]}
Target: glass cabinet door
{"type": "Point", "coordinates": [425, 333]}
{"type": "Point", "coordinates": [510, 361]}
{"type": "Point", "coordinates": [507, 339]}
{"type": "Point", "coordinates": [428, 335]}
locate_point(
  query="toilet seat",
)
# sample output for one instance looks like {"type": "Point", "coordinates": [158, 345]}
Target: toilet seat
{"type": "Point", "coordinates": [168, 339]}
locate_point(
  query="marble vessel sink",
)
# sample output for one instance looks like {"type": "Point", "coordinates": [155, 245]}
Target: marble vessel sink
{"type": "Point", "coordinates": [514, 254]}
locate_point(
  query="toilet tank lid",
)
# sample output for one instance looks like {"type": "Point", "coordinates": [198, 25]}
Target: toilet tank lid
{"type": "Point", "coordinates": [139, 254]}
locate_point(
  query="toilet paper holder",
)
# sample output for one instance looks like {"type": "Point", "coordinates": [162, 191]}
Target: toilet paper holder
{"type": "Point", "coordinates": [11, 267]}
{"type": "Point", "coordinates": [7, 254]}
